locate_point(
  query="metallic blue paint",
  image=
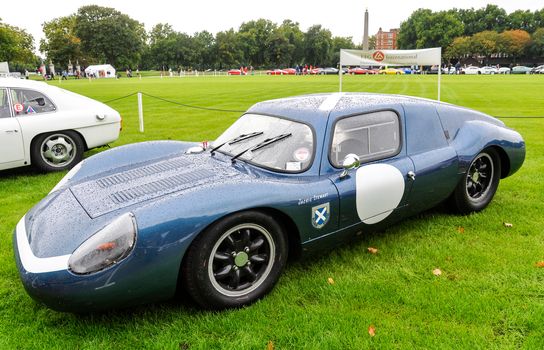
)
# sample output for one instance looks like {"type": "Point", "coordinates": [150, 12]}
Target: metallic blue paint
{"type": "Point", "coordinates": [438, 143]}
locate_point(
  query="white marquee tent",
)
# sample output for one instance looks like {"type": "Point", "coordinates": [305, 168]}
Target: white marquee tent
{"type": "Point", "coordinates": [101, 71]}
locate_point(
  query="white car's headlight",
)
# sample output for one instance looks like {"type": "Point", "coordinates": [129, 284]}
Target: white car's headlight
{"type": "Point", "coordinates": [108, 246]}
{"type": "Point", "coordinates": [69, 175]}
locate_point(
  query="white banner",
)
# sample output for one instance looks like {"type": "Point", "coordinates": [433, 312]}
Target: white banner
{"type": "Point", "coordinates": [422, 57]}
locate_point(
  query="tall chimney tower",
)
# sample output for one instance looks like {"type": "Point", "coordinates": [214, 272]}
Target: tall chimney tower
{"type": "Point", "coordinates": [365, 35]}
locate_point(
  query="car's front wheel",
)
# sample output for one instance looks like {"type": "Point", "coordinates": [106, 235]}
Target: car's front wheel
{"type": "Point", "coordinates": [236, 261]}
{"type": "Point", "coordinates": [479, 184]}
{"type": "Point", "coordinates": [56, 151]}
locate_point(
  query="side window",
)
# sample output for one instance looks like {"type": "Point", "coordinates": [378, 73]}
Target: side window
{"type": "Point", "coordinates": [4, 105]}
{"type": "Point", "coordinates": [371, 136]}
{"type": "Point", "coordinates": [30, 102]}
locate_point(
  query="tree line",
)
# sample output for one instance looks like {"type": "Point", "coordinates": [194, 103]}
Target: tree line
{"type": "Point", "coordinates": [483, 32]}
{"type": "Point", "coordinates": [97, 34]}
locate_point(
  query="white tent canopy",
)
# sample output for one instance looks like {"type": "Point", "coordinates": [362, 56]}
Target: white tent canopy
{"type": "Point", "coordinates": [101, 71]}
{"type": "Point", "coordinates": [423, 57]}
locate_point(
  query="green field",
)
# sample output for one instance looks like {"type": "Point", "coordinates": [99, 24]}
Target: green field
{"type": "Point", "coordinates": [490, 293]}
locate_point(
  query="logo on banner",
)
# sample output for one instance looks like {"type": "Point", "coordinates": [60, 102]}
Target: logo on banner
{"type": "Point", "coordinates": [378, 56]}
{"type": "Point", "coordinates": [320, 215]}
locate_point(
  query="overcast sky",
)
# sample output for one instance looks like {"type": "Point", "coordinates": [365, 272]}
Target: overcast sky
{"type": "Point", "coordinates": [343, 18]}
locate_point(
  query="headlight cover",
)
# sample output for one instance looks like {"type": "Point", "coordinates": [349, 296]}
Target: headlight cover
{"type": "Point", "coordinates": [106, 247]}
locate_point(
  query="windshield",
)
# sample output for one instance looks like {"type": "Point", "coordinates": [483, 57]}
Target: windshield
{"type": "Point", "coordinates": [289, 154]}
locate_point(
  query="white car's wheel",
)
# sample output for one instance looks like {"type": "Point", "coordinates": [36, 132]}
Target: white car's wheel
{"type": "Point", "coordinates": [57, 151]}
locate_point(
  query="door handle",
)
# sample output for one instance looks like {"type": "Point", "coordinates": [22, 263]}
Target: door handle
{"type": "Point", "coordinates": [12, 131]}
{"type": "Point", "coordinates": [411, 175]}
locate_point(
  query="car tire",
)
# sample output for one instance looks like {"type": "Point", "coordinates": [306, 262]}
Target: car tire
{"type": "Point", "coordinates": [235, 262]}
{"type": "Point", "coordinates": [57, 151]}
{"type": "Point", "coordinates": [479, 184]}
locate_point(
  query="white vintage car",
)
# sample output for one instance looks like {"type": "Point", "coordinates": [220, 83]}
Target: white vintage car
{"type": "Point", "coordinates": [50, 127]}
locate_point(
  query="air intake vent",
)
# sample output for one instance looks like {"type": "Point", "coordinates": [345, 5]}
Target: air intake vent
{"type": "Point", "coordinates": [141, 172]}
{"type": "Point", "coordinates": [169, 184]}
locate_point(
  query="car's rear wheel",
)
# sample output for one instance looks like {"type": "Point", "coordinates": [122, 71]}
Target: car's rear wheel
{"type": "Point", "coordinates": [57, 151]}
{"type": "Point", "coordinates": [236, 261]}
{"type": "Point", "coordinates": [479, 184]}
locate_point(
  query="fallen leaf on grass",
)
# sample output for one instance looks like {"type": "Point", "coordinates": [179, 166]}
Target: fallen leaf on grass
{"type": "Point", "coordinates": [270, 345]}
{"type": "Point", "coordinates": [330, 280]}
{"type": "Point", "coordinates": [461, 229]}
{"type": "Point", "coordinates": [372, 250]}
{"type": "Point", "coordinates": [372, 330]}
{"type": "Point", "coordinates": [437, 272]}
{"type": "Point", "coordinates": [507, 224]}
{"type": "Point", "coordinates": [540, 264]}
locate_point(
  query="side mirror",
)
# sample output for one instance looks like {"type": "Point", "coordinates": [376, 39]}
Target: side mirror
{"type": "Point", "coordinates": [351, 161]}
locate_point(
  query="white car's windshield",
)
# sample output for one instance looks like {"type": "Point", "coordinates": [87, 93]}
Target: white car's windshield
{"type": "Point", "coordinates": [269, 142]}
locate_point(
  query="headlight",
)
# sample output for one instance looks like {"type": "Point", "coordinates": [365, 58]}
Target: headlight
{"type": "Point", "coordinates": [108, 246]}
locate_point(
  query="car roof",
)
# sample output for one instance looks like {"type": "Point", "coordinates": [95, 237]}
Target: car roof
{"type": "Point", "coordinates": [14, 82]}
{"type": "Point", "coordinates": [312, 108]}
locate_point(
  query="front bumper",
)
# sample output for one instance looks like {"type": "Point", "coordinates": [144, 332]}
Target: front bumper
{"type": "Point", "coordinates": [135, 280]}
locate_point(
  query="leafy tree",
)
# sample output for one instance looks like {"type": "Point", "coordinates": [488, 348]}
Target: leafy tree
{"type": "Point", "coordinates": [296, 41]}
{"type": "Point", "coordinates": [515, 42]}
{"type": "Point", "coordinates": [229, 50]}
{"type": "Point", "coordinates": [537, 43]}
{"type": "Point", "coordinates": [317, 45]}
{"type": "Point", "coordinates": [16, 47]}
{"type": "Point", "coordinates": [61, 43]}
{"type": "Point", "coordinates": [485, 43]}
{"type": "Point", "coordinates": [521, 19]}
{"type": "Point", "coordinates": [460, 47]}
{"type": "Point", "coordinates": [338, 43]}
{"type": "Point", "coordinates": [109, 36]}
{"type": "Point", "coordinates": [490, 17]}
{"type": "Point", "coordinates": [408, 33]}
{"type": "Point", "coordinates": [425, 28]}
{"type": "Point", "coordinates": [280, 49]}
{"type": "Point", "coordinates": [255, 40]}
{"type": "Point", "coordinates": [160, 32]}
{"type": "Point", "coordinates": [204, 47]}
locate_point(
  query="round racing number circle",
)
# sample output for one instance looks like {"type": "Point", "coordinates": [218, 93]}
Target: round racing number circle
{"type": "Point", "coordinates": [301, 154]}
{"type": "Point", "coordinates": [18, 107]}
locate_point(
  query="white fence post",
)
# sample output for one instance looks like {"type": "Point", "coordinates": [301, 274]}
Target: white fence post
{"type": "Point", "coordinates": [140, 112]}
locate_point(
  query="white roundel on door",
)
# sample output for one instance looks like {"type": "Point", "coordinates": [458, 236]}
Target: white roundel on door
{"type": "Point", "coordinates": [379, 190]}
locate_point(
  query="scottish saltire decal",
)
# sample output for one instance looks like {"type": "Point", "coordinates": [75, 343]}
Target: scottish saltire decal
{"type": "Point", "coordinates": [321, 215]}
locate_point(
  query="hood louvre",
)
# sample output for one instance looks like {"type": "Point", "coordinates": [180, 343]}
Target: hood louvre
{"type": "Point", "coordinates": [150, 182]}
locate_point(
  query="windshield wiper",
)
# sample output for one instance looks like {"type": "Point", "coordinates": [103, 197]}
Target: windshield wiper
{"type": "Point", "coordinates": [265, 143]}
{"type": "Point", "coordinates": [237, 139]}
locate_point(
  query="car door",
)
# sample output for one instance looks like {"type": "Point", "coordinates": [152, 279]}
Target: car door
{"type": "Point", "coordinates": [11, 139]}
{"type": "Point", "coordinates": [436, 165]}
{"type": "Point", "coordinates": [377, 191]}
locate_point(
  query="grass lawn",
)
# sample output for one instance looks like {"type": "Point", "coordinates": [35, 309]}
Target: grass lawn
{"type": "Point", "coordinates": [490, 293]}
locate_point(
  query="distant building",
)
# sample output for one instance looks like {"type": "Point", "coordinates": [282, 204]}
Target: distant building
{"type": "Point", "coordinates": [387, 40]}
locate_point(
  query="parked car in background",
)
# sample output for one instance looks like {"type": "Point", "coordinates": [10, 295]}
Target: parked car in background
{"type": "Point", "coordinates": [391, 71]}
{"type": "Point", "coordinates": [275, 72]}
{"type": "Point", "coordinates": [50, 127]}
{"type": "Point", "coordinates": [289, 71]}
{"type": "Point", "coordinates": [489, 70]}
{"type": "Point", "coordinates": [537, 70]}
{"type": "Point", "coordinates": [365, 71]}
{"type": "Point", "coordinates": [235, 72]}
{"type": "Point", "coordinates": [291, 176]}
{"type": "Point", "coordinates": [470, 70]}
{"type": "Point", "coordinates": [521, 70]}
{"type": "Point", "coordinates": [450, 70]}
{"type": "Point", "coordinates": [504, 70]}
{"type": "Point", "coordinates": [329, 71]}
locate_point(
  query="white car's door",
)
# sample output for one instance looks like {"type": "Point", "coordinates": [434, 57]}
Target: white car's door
{"type": "Point", "coordinates": [11, 138]}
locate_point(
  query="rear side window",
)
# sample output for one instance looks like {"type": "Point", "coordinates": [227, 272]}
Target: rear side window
{"type": "Point", "coordinates": [30, 102]}
{"type": "Point", "coordinates": [4, 105]}
{"type": "Point", "coordinates": [371, 136]}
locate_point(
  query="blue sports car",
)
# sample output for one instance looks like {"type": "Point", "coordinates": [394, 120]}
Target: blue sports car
{"type": "Point", "coordinates": [291, 176]}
